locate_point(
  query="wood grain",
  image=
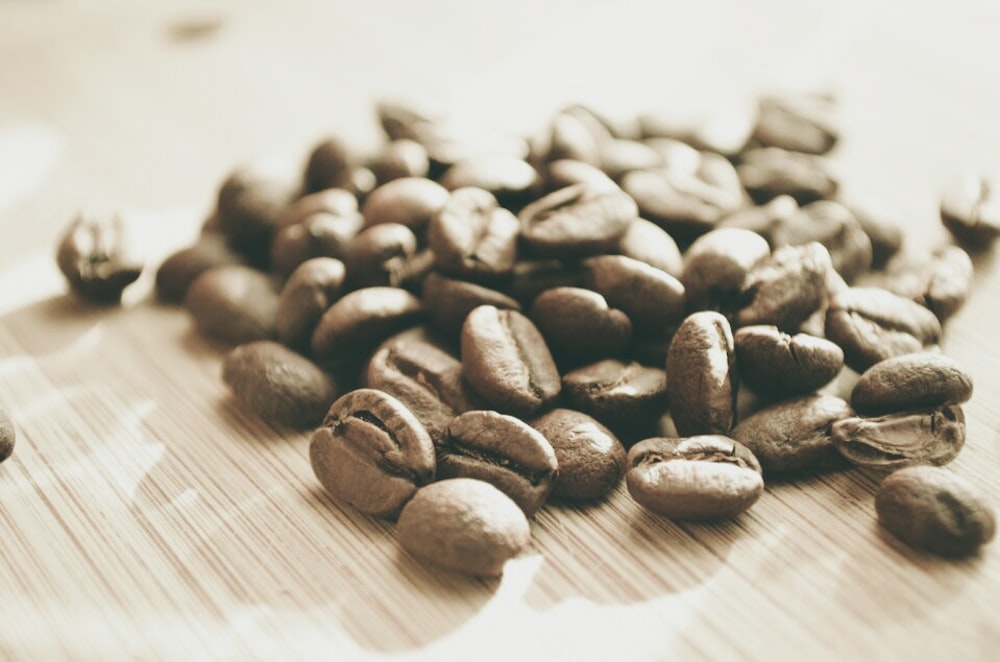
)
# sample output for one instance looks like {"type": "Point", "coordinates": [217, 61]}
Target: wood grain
{"type": "Point", "coordinates": [146, 515]}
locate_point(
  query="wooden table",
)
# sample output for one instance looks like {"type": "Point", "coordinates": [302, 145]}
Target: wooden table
{"type": "Point", "coordinates": [146, 515]}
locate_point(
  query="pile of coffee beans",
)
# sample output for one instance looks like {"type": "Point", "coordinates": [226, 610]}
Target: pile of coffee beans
{"type": "Point", "coordinates": [474, 323]}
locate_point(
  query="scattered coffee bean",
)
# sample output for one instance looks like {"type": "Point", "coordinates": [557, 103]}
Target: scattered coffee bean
{"type": "Point", "coordinates": [249, 205]}
{"type": "Point", "coordinates": [8, 434]}
{"type": "Point", "coordinates": [362, 319]}
{"type": "Point", "coordinates": [949, 281]}
{"type": "Point", "coordinates": [318, 235]}
{"type": "Point", "coordinates": [410, 201]}
{"type": "Point", "coordinates": [463, 525]}
{"type": "Point", "coordinates": [448, 301]}
{"type": "Point", "coordinates": [576, 221]}
{"type": "Point", "coordinates": [579, 326]}
{"type": "Point", "coordinates": [776, 365]}
{"type": "Point", "coordinates": [798, 123]}
{"type": "Point", "coordinates": [701, 375]}
{"type": "Point", "coordinates": [378, 254]}
{"type": "Point", "coordinates": [768, 172]}
{"type": "Point", "coordinates": [970, 209]}
{"type": "Point", "coordinates": [833, 225]}
{"type": "Point", "coordinates": [400, 158]}
{"type": "Point", "coordinates": [94, 256]}
{"type": "Point", "coordinates": [706, 477]}
{"type": "Point", "coordinates": [717, 264]}
{"type": "Point", "coordinates": [233, 304]}
{"type": "Point", "coordinates": [935, 510]}
{"type": "Point", "coordinates": [626, 396]}
{"type": "Point", "coordinates": [329, 166]}
{"type": "Point", "coordinates": [648, 242]}
{"type": "Point", "coordinates": [176, 273]}
{"type": "Point", "coordinates": [311, 289]}
{"type": "Point", "coordinates": [651, 298]}
{"type": "Point", "coordinates": [473, 237]}
{"type": "Point", "coordinates": [591, 459]}
{"type": "Point", "coordinates": [912, 381]}
{"type": "Point", "coordinates": [786, 288]}
{"type": "Point", "coordinates": [897, 440]}
{"type": "Point", "coordinates": [508, 179]}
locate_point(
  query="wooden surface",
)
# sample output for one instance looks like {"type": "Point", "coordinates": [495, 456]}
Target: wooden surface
{"type": "Point", "coordinates": [145, 515]}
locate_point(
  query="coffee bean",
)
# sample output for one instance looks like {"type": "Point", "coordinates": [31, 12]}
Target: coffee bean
{"type": "Point", "coordinates": [885, 233]}
{"type": "Point", "coordinates": [627, 397]}
{"type": "Point", "coordinates": [701, 375]}
{"type": "Point", "coordinates": [333, 201]}
{"type": "Point", "coordinates": [768, 172]}
{"type": "Point", "coordinates": [95, 257]}
{"type": "Point", "coordinates": [717, 264]}
{"type": "Point", "coordinates": [372, 453]}
{"type": "Point", "coordinates": [404, 118]}
{"type": "Point", "coordinates": [576, 221]}
{"type": "Point", "coordinates": [329, 165]}
{"type": "Point", "coordinates": [363, 318]}
{"type": "Point", "coordinates": [449, 142]}
{"type": "Point", "coordinates": [378, 254]}
{"type": "Point", "coordinates": [277, 384]}
{"type": "Point", "coordinates": [503, 451]}
{"type": "Point", "coordinates": [176, 273]}
{"type": "Point", "coordinates": [572, 137]}
{"type": "Point", "coordinates": [651, 298]}
{"type": "Point", "coordinates": [794, 435]}
{"type": "Point", "coordinates": [448, 301]}
{"type": "Point", "coordinates": [833, 225]}
{"type": "Point", "coordinates": [706, 477]}
{"type": "Point", "coordinates": [321, 234]}
{"type": "Point", "coordinates": [579, 326]}
{"type": "Point", "coordinates": [249, 206]}
{"type": "Point", "coordinates": [763, 219]}
{"type": "Point", "coordinates": [473, 237]}
{"type": "Point", "coordinates": [648, 242]}
{"type": "Point", "coordinates": [725, 130]}
{"type": "Point", "coordinates": [410, 201]}
{"type": "Point", "coordinates": [423, 376]}
{"type": "Point", "coordinates": [567, 172]}
{"type": "Point", "coordinates": [799, 123]}
{"type": "Point", "coordinates": [621, 155]}
{"type": "Point", "coordinates": [591, 459]}
{"type": "Point", "coordinates": [310, 290]}
{"type": "Point", "coordinates": [400, 158]}
{"type": "Point", "coordinates": [776, 365]}
{"type": "Point", "coordinates": [949, 281]}
{"type": "Point", "coordinates": [530, 278]}
{"type": "Point", "coordinates": [786, 288]}
{"type": "Point", "coordinates": [463, 525]}
{"type": "Point", "coordinates": [896, 440]}
{"type": "Point", "coordinates": [970, 209]}
{"type": "Point", "coordinates": [508, 179]}
{"type": "Point", "coordinates": [912, 381]}
{"type": "Point", "coordinates": [8, 434]}
{"type": "Point", "coordinates": [233, 304]}
{"type": "Point", "coordinates": [506, 361]}
{"type": "Point", "coordinates": [935, 510]}
{"type": "Point", "coordinates": [872, 324]}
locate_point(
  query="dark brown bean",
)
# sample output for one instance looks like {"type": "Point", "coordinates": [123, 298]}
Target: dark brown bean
{"type": "Point", "coordinates": [801, 123]}
{"type": "Point", "coordinates": [626, 397]}
{"type": "Point", "coordinates": [912, 381]}
{"type": "Point", "coordinates": [410, 201]}
{"type": "Point", "coordinates": [509, 179]}
{"type": "Point", "coordinates": [310, 290]}
{"type": "Point", "coordinates": [576, 221]}
{"type": "Point", "coordinates": [786, 288]}
{"type": "Point", "coordinates": [400, 158]}
{"type": "Point", "coordinates": [176, 273]}
{"type": "Point", "coordinates": [897, 440]}
{"type": "Point", "coordinates": [318, 235]}
{"type": "Point", "coordinates": [249, 205]}
{"type": "Point", "coordinates": [652, 299]}
{"type": "Point", "coordinates": [233, 304]}
{"type": "Point", "coordinates": [717, 264]}
{"type": "Point", "coordinates": [473, 237]}
{"type": "Point", "coordinates": [579, 326]}
{"type": "Point", "coordinates": [448, 301]}
{"type": "Point", "coordinates": [95, 257]}
{"type": "Point", "coordinates": [591, 459]}
{"type": "Point", "coordinates": [768, 172]}
{"type": "Point", "coordinates": [378, 255]}
{"type": "Point", "coordinates": [776, 365]}
{"type": "Point", "coordinates": [701, 375]}
{"type": "Point", "coordinates": [363, 318]}
{"type": "Point", "coordinates": [833, 225]}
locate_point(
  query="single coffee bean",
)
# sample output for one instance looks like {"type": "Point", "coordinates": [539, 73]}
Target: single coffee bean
{"type": "Point", "coordinates": [329, 165]}
{"type": "Point", "coordinates": [249, 206]}
{"type": "Point", "coordinates": [872, 324]}
{"type": "Point", "coordinates": [506, 361]}
{"type": "Point", "coordinates": [311, 289]}
{"type": "Point", "coordinates": [800, 123]}
{"type": "Point", "coordinates": [318, 235]}
{"type": "Point", "coordinates": [648, 242]}
{"type": "Point", "coordinates": [776, 365]}
{"type": "Point", "coordinates": [970, 209]}
{"type": "Point", "coordinates": [508, 179]}
{"type": "Point", "coordinates": [833, 225]}
{"type": "Point", "coordinates": [717, 264]}
{"type": "Point", "coordinates": [503, 451]}
{"type": "Point", "coordinates": [575, 137]}
{"type": "Point", "coordinates": [530, 278]}
{"type": "Point", "coordinates": [8, 434]}
{"type": "Point", "coordinates": [949, 281]}
{"type": "Point", "coordinates": [591, 459]}
{"type": "Point", "coordinates": [794, 435]}
{"type": "Point", "coordinates": [448, 301]}
{"type": "Point", "coordinates": [363, 318]}
{"type": "Point", "coordinates": [935, 510]}
{"type": "Point", "coordinates": [651, 298]}
{"type": "Point", "coordinates": [624, 396]}
{"type": "Point", "coordinates": [233, 304]}
{"type": "Point", "coordinates": [912, 381]}
{"type": "Point", "coordinates": [410, 201]}
{"type": "Point", "coordinates": [473, 237]}
{"type": "Point", "coordinates": [786, 288]}
{"type": "Point", "coordinates": [400, 158]}
{"type": "Point", "coordinates": [885, 233]}
{"type": "Point", "coordinates": [277, 384]}
{"type": "Point", "coordinates": [463, 525]}
{"type": "Point", "coordinates": [371, 452]}
{"type": "Point", "coordinates": [579, 326]}
{"type": "Point", "coordinates": [377, 255]}
{"type": "Point", "coordinates": [576, 221]}
{"type": "Point", "coordinates": [423, 376]}
{"type": "Point", "coordinates": [897, 440]}
{"type": "Point", "coordinates": [705, 477]}
{"type": "Point", "coordinates": [768, 172]}
{"type": "Point", "coordinates": [94, 256]}
{"type": "Point", "coordinates": [701, 375]}
{"type": "Point", "coordinates": [176, 273]}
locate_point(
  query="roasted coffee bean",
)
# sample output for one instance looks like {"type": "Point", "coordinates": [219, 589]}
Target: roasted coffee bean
{"type": "Point", "coordinates": [94, 256]}
{"type": "Point", "coordinates": [800, 123]}
{"type": "Point", "coordinates": [410, 201]}
{"type": "Point", "coordinates": [949, 281]}
{"type": "Point", "coordinates": [717, 265]}
{"type": "Point", "coordinates": [277, 384]}
{"type": "Point", "coordinates": [503, 451]}
{"type": "Point", "coordinates": [311, 289]}
{"type": "Point", "coordinates": [506, 361]}
{"type": "Point", "coordinates": [701, 375]}
{"type": "Point", "coordinates": [449, 142]}
{"type": "Point", "coordinates": [833, 225]}
{"type": "Point", "coordinates": [576, 221]}
{"type": "Point", "coordinates": [473, 237]}
{"type": "Point", "coordinates": [423, 376]}
{"type": "Point", "coordinates": [363, 318]}
{"type": "Point", "coordinates": [794, 435]}
{"type": "Point", "coordinates": [935, 510]}
{"type": "Point", "coordinates": [885, 233]}
{"type": "Point", "coordinates": [579, 325]}
{"type": "Point", "coordinates": [176, 273]}
{"type": "Point", "coordinates": [509, 179]}
{"type": "Point", "coordinates": [334, 201]}
{"type": "Point", "coordinates": [706, 477]}
{"type": "Point", "coordinates": [8, 434]}
{"type": "Point", "coordinates": [648, 242]}
{"type": "Point", "coordinates": [724, 130]}
{"type": "Point", "coordinates": [233, 304]}
{"type": "Point", "coordinates": [378, 255]}
{"type": "Point", "coordinates": [786, 288]}
{"type": "Point", "coordinates": [872, 324]}
{"type": "Point", "coordinates": [912, 381]}
{"type": "Point", "coordinates": [249, 206]}
{"type": "Point", "coordinates": [970, 209]}
{"type": "Point", "coordinates": [763, 219]}
{"type": "Point", "coordinates": [319, 235]}
{"type": "Point", "coordinates": [329, 165]}
{"type": "Point", "coordinates": [567, 172]}
{"type": "Point", "coordinates": [400, 158]}
{"type": "Point", "coordinates": [776, 365]}
{"type": "Point", "coordinates": [626, 397]}
{"type": "Point", "coordinates": [768, 172]}
{"type": "Point", "coordinates": [897, 440]}
{"type": "Point", "coordinates": [372, 453]}
{"type": "Point", "coordinates": [448, 301]}
{"type": "Point", "coordinates": [463, 525]}
{"type": "Point", "coordinates": [532, 277]}
{"type": "Point", "coordinates": [621, 155]}
{"type": "Point", "coordinates": [591, 459]}
{"type": "Point", "coordinates": [572, 137]}
{"type": "Point", "coordinates": [651, 298]}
